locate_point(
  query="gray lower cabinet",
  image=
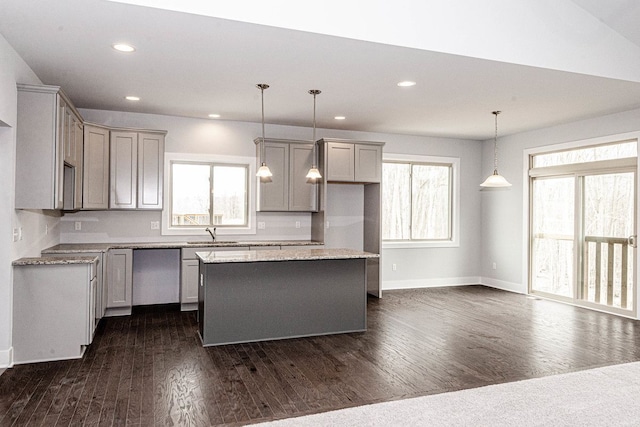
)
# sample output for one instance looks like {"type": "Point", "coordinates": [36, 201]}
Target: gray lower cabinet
{"type": "Point", "coordinates": [101, 279]}
{"type": "Point", "coordinates": [53, 311]}
{"type": "Point", "coordinates": [189, 285]}
{"type": "Point", "coordinates": [189, 274]}
{"type": "Point", "coordinates": [288, 189]}
{"type": "Point", "coordinates": [119, 282]}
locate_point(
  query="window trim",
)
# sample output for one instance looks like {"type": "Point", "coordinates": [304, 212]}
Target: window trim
{"type": "Point", "coordinates": [454, 241]}
{"type": "Point", "coordinates": [249, 162]}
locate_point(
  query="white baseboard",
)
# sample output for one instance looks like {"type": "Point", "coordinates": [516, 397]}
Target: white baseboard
{"type": "Point", "coordinates": [6, 358]}
{"type": "Point", "coordinates": [388, 285]}
{"type": "Point", "coordinates": [504, 285]}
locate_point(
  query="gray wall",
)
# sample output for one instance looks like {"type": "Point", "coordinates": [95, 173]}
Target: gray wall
{"type": "Point", "coordinates": [416, 267]}
{"type": "Point", "coordinates": [14, 70]}
{"type": "Point", "coordinates": [504, 213]}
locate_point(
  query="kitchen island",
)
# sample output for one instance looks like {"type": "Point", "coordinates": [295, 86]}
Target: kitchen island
{"type": "Point", "coordinates": [247, 296]}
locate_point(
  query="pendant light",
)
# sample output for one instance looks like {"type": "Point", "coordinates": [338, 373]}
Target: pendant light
{"type": "Point", "coordinates": [495, 180]}
{"type": "Point", "coordinates": [314, 173]}
{"type": "Point", "coordinates": [264, 173]}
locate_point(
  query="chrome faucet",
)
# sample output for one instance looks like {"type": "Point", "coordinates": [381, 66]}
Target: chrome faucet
{"type": "Point", "coordinates": [213, 234]}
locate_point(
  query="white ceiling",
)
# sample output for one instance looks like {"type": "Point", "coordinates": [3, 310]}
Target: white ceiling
{"type": "Point", "coordinates": [192, 65]}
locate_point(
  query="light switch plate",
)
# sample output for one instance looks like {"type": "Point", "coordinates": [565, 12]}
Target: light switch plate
{"type": "Point", "coordinates": [155, 225]}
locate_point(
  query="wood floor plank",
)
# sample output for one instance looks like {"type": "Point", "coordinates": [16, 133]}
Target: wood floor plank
{"type": "Point", "coordinates": [150, 368]}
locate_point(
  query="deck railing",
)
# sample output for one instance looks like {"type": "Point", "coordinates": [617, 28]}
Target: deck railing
{"type": "Point", "coordinates": [605, 273]}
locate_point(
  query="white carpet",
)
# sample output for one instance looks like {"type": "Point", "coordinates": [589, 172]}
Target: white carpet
{"type": "Point", "coordinates": [608, 396]}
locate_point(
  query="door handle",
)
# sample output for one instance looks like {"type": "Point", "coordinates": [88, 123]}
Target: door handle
{"type": "Point", "coordinates": [633, 241]}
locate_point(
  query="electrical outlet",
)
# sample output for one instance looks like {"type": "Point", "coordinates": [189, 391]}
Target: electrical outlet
{"type": "Point", "coordinates": [46, 229]}
{"type": "Point", "coordinates": [78, 225]}
{"type": "Point", "coordinates": [494, 266]}
{"type": "Point", "coordinates": [261, 225]}
{"type": "Point", "coordinates": [155, 225]}
{"type": "Point", "coordinates": [20, 235]}
{"type": "Point", "coordinates": [327, 224]}
{"type": "Point", "coordinates": [297, 224]}
{"type": "Point", "coordinates": [15, 234]}
{"type": "Point", "coordinates": [394, 267]}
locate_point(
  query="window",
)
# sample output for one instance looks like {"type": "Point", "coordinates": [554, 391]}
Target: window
{"type": "Point", "coordinates": [208, 194]}
{"type": "Point", "coordinates": [418, 201]}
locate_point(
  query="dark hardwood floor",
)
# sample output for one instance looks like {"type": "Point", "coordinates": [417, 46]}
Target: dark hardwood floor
{"type": "Point", "coordinates": [149, 368]}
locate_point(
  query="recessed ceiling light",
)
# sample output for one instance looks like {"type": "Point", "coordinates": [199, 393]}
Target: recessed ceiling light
{"type": "Point", "coordinates": [123, 47]}
{"type": "Point", "coordinates": [132, 98]}
{"type": "Point", "coordinates": [339, 117]}
{"type": "Point", "coordinates": [214, 116]}
{"type": "Point", "coordinates": [406, 83]}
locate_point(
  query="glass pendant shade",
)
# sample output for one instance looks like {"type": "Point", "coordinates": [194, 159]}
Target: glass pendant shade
{"type": "Point", "coordinates": [264, 171]}
{"type": "Point", "coordinates": [313, 173]}
{"type": "Point", "coordinates": [496, 180]}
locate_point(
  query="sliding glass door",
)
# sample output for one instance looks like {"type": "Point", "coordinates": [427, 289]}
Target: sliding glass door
{"type": "Point", "coordinates": [608, 240]}
{"type": "Point", "coordinates": [583, 228]}
{"type": "Point", "coordinates": [553, 239]}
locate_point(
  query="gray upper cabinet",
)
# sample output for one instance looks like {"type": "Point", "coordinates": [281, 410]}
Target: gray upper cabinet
{"type": "Point", "coordinates": [340, 161]}
{"type": "Point", "coordinates": [124, 169]}
{"type": "Point", "coordinates": [368, 163]}
{"type": "Point", "coordinates": [150, 170]}
{"type": "Point", "coordinates": [95, 191]}
{"type": "Point", "coordinates": [353, 162]}
{"type": "Point", "coordinates": [78, 136]}
{"type": "Point", "coordinates": [303, 195]}
{"type": "Point", "coordinates": [43, 119]}
{"type": "Point", "coordinates": [137, 170]}
{"type": "Point", "coordinates": [288, 190]}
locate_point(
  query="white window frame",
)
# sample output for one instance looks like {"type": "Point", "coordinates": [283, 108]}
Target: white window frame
{"type": "Point", "coordinates": [249, 162]}
{"type": "Point", "coordinates": [454, 241]}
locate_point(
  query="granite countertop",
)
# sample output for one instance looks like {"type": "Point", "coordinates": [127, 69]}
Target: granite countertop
{"type": "Point", "coordinates": [69, 248]}
{"type": "Point", "coordinates": [55, 261]}
{"type": "Point", "coordinates": [215, 257]}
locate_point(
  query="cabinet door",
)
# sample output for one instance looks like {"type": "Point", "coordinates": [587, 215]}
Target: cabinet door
{"type": "Point", "coordinates": [92, 322]}
{"type": "Point", "coordinates": [79, 149]}
{"type": "Point", "coordinates": [303, 194]}
{"type": "Point", "coordinates": [340, 161]}
{"type": "Point", "coordinates": [124, 167]}
{"type": "Point", "coordinates": [120, 277]}
{"type": "Point", "coordinates": [274, 195]}
{"type": "Point", "coordinates": [95, 183]}
{"type": "Point", "coordinates": [39, 151]}
{"type": "Point", "coordinates": [67, 132]}
{"type": "Point", "coordinates": [150, 170]}
{"type": "Point", "coordinates": [368, 163]}
{"type": "Point", "coordinates": [189, 282]}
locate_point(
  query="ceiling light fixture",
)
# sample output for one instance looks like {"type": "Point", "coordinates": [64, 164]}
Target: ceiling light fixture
{"type": "Point", "coordinates": [132, 98]}
{"type": "Point", "coordinates": [214, 116]}
{"type": "Point", "coordinates": [123, 47]}
{"type": "Point", "coordinates": [339, 117]}
{"type": "Point", "coordinates": [314, 173]}
{"type": "Point", "coordinates": [495, 180]}
{"type": "Point", "coordinates": [406, 83]}
{"type": "Point", "coordinates": [263, 171]}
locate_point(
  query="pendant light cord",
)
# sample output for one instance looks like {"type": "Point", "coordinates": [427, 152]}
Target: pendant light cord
{"type": "Point", "coordinates": [314, 92]}
{"type": "Point", "coordinates": [495, 144]}
{"type": "Point", "coordinates": [262, 87]}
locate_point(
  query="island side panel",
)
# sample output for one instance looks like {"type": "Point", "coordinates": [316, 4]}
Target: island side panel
{"type": "Point", "coordinates": [256, 301]}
